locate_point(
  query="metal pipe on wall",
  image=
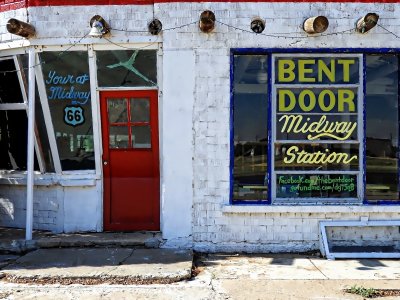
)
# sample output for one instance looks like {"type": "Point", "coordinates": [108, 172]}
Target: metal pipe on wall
{"type": "Point", "coordinates": [31, 144]}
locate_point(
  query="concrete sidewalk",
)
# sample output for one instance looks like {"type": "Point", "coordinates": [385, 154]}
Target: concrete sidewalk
{"type": "Point", "coordinates": [122, 273]}
{"type": "Point", "coordinates": [100, 265]}
{"type": "Point", "coordinates": [128, 266]}
{"type": "Point", "coordinates": [298, 267]}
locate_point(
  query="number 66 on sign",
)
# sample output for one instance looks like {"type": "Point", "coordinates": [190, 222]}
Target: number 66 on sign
{"type": "Point", "coordinates": [74, 115]}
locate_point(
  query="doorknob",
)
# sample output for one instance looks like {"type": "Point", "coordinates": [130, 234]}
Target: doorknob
{"type": "Point", "coordinates": [105, 163]}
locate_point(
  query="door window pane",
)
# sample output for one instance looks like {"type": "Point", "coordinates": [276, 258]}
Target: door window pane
{"type": "Point", "coordinates": [140, 110]}
{"type": "Point", "coordinates": [382, 135]}
{"type": "Point", "coordinates": [141, 136]}
{"type": "Point", "coordinates": [117, 110]}
{"type": "Point", "coordinates": [126, 68]}
{"type": "Point", "coordinates": [119, 137]}
{"type": "Point", "coordinates": [66, 76]}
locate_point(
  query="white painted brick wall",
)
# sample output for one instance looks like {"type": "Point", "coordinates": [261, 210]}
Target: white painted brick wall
{"type": "Point", "coordinates": [47, 208]}
{"type": "Point", "coordinates": [214, 230]}
{"type": "Point", "coordinates": [54, 208]}
{"type": "Point", "coordinates": [20, 14]}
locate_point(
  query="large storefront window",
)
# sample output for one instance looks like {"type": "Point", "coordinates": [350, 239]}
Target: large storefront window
{"type": "Point", "coordinates": [332, 140]}
{"type": "Point", "coordinates": [67, 84]}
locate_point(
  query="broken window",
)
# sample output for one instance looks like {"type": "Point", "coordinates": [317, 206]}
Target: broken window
{"type": "Point", "coordinates": [123, 68]}
{"type": "Point", "coordinates": [13, 119]}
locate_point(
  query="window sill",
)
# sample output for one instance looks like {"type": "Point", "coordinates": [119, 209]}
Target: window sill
{"type": "Point", "coordinates": [262, 209]}
{"type": "Point", "coordinates": [50, 179]}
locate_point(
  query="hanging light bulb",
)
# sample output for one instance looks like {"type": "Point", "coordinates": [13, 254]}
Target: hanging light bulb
{"type": "Point", "coordinates": [99, 26]}
{"type": "Point", "coordinates": [262, 75]}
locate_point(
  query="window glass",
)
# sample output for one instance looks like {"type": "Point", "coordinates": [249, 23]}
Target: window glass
{"type": "Point", "coordinates": [40, 126]}
{"type": "Point", "coordinates": [250, 130]}
{"type": "Point", "coordinates": [13, 140]}
{"type": "Point", "coordinates": [316, 156]}
{"type": "Point", "coordinates": [13, 123]}
{"type": "Point", "coordinates": [326, 135]}
{"type": "Point", "coordinates": [66, 76]}
{"type": "Point", "coordinates": [141, 136]}
{"type": "Point", "coordinates": [119, 137]}
{"type": "Point", "coordinates": [140, 110]}
{"type": "Point", "coordinates": [382, 127]}
{"type": "Point", "coordinates": [317, 186]}
{"type": "Point", "coordinates": [127, 68]}
{"type": "Point", "coordinates": [316, 128]}
{"type": "Point", "coordinates": [317, 70]}
{"type": "Point", "coordinates": [10, 89]}
{"type": "Point", "coordinates": [117, 110]}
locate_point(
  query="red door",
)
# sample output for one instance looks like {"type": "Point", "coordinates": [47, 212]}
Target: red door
{"type": "Point", "coordinates": [130, 160]}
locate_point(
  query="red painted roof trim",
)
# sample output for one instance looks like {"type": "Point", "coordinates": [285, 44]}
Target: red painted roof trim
{"type": "Point", "coordinates": [16, 4]}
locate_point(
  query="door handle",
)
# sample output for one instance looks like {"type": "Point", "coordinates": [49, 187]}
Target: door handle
{"type": "Point", "coordinates": [105, 163]}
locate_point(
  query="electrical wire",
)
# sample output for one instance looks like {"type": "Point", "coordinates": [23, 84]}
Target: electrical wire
{"type": "Point", "coordinates": [280, 35]}
{"type": "Point", "coordinates": [44, 62]}
{"type": "Point", "coordinates": [146, 31]}
{"type": "Point", "coordinates": [131, 48]}
{"type": "Point", "coordinates": [274, 35]}
{"type": "Point", "coordinates": [384, 28]}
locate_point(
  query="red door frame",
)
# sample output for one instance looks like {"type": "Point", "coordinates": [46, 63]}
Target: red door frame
{"type": "Point", "coordinates": [153, 96]}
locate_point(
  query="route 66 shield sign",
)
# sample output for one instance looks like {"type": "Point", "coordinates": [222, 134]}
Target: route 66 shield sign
{"type": "Point", "coordinates": [74, 115]}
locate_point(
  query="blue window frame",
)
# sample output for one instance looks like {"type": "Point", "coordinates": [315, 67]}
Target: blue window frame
{"type": "Point", "coordinates": [374, 179]}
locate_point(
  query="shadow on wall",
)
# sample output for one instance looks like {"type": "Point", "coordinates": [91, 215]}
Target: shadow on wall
{"type": "Point", "coordinates": [7, 211]}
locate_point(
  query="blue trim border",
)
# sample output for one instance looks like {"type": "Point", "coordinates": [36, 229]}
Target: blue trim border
{"type": "Point", "coordinates": [269, 51]}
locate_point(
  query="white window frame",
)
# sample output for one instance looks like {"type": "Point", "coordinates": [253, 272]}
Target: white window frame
{"type": "Point", "coordinates": [324, 244]}
{"type": "Point", "coordinates": [22, 106]}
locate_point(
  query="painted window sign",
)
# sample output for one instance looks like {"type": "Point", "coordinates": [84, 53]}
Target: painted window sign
{"type": "Point", "coordinates": [326, 139]}
{"type": "Point", "coordinates": [127, 68]}
{"type": "Point", "coordinates": [67, 82]}
{"type": "Point", "coordinates": [68, 87]}
{"type": "Point", "coordinates": [317, 122]}
{"type": "Point", "coordinates": [74, 115]}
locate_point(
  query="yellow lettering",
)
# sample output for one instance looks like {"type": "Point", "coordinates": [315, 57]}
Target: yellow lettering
{"type": "Point", "coordinates": [323, 69]}
{"type": "Point", "coordinates": [286, 70]}
{"type": "Point", "coordinates": [346, 96]}
{"type": "Point", "coordinates": [289, 153]}
{"type": "Point", "coordinates": [303, 157]}
{"type": "Point", "coordinates": [346, 68]}
{"type": "Point", "coordinates": [303, 70]}
{"type": "Point", "coordinates": [282, 100]}
{"type": "Point", "coordinates": [321, 100]}
{"type": "Point", "coordinates": [322, 128]}
{"type": "Point", "coordinates": [311, 97]}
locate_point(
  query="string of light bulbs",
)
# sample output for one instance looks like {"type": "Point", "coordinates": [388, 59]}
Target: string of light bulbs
{"type": "Point", "coordinates": [273, 35]}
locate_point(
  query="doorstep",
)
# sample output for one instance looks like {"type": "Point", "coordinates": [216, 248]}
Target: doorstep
{"type": "Point", "coordinates": [12, 240]}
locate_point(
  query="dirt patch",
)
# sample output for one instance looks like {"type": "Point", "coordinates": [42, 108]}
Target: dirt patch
{"type": "Point", "coordinates": [90, 281]}
{"type": "Point", "coordinates": [4, 295]}
{"type": "Point", "coordinates": [198, 265]}
{"type": "Point", "coordinates": [373, 293]}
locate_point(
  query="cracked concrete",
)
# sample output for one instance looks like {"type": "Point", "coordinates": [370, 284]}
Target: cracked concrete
{"type": "Point", "coordinates": [101, 263]}
{"type": "Point", "coordinates": [228, 276]}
